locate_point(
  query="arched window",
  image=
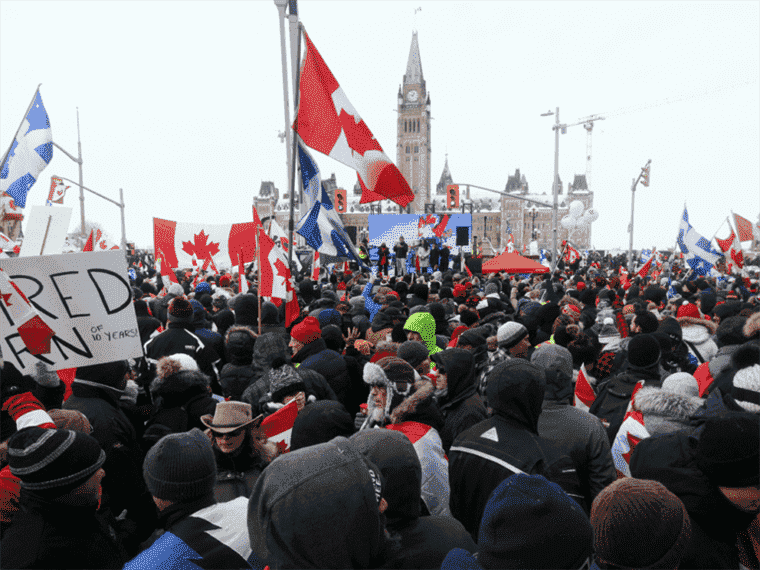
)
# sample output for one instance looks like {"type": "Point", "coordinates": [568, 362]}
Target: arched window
{"type": "Point", "coordinates": [407, 149]}
{"type": "Point", "coordinates": [416, 149]}
{"type": "Point", "coordinates": [406, 124]}
{"type": "Point", "coordinates": [418, 125]}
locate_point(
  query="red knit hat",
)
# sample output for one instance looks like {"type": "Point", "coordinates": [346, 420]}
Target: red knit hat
{"type": "Point", "coordinates": [688, 310]}
{"type": "Point", "coordinates": [307, 330]}
{"type": "Point", "coordinates": [460, 290]}
{"type": "Point", "coordinates": [225, 281]}
{"type": "Point", "coordinates": [580, 286]}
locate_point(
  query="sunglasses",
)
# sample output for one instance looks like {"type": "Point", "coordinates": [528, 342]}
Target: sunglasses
{"type": "Point", "coordinates": [236, 433]}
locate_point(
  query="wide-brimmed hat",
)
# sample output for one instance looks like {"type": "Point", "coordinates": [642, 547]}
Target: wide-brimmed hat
{"type": "Point", "coordinates": [229, 416]}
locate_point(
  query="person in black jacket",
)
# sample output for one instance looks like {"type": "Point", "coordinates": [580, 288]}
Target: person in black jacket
{"type": "Point", "coordinates": [500, 446]}
{"type": "Point", "coordinates": [310, 351]}
{"type": "Point", "coordinates": [237, 374]}
{"type": "Point", "coordinates": [424, 539]}
{"type": "Point", "coordinates": [383, 258]}
{"type": "Point", "coordinates": [178, 338]}
{"type": "Point", "coordinates": [146, 324]}
{"type": "Point", "coordinates": [612, 398]}
{"type": "Point", "coordinates": [435, 256]}
{"type": "Point", "coordinates": [401, 249]}
{"type": "Point", "coordinates": [58, 524]}
{"type": "Point", "coordinates": [457, 395]}
{"type": "Point", "coordinates": [96, 392]}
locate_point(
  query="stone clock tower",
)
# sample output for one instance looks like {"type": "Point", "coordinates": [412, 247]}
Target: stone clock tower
{"type": "Point", "coordinates": [413, 149]}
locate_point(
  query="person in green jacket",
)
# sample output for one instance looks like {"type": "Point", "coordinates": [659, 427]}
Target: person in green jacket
{"type": "Point", "coordinates": [421, 327]}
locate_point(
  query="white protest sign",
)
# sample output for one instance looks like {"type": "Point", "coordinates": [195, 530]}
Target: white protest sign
{"type": "Point", "coordinates": [46, 230]}
{"type": "Point", "coordinates": [85, 298]}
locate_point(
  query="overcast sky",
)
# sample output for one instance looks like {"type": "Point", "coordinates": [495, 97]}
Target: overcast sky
{"type": "Point", "coordinates": [181, 102]}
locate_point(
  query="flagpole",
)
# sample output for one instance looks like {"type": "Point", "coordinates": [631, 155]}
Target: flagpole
{"type": "Point", "coordinates": [258, 257]}
{"type": "Point", "coordinates": [281, 4]}
{"type": "Point", "coordinates": [294, 153]}
{"type": "Point", "coordinates": [10, 146]}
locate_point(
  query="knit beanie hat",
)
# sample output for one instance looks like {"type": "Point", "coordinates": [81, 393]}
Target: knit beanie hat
{"type": "Point", "coordinates": [681, 383]}
{"type": "Point", "coordinates": [523, 515]}
{"type": "Point", "coordinates": [53, 461]}
{"type": "Point", "coordinates": [510, 334]}
{"type": "Point", "coordinates": [246, 310]}
{"type": "Point", "coordinates": [553, 357]}
{"type": "Point", "coordinates": [708, 300]}
{"type": "Point", "coordinates": [647, 321]}
{"type": "Point", "coordinates": [746, 388]}
{"type": "Point", "coordinates": [329, 317]}
{"type": "Point", "coordinates": [180, 311]}
{"type": "Point", "coordinates": [643, 350]}
{"type": "Point", "coordinates": [468, 318]}
{"type": "Point", "coordinates": [181, 467]}
{"type": "Point", "coordinates": [175, 289]}
{"type": "Point", "coordinates": [284, 381]}
{"type": "Point", "coordinates": [730, 331]}
{"type": "Point", "coordinates": [202, 287]}
{"type": "Point", "coordinates": [109, 374]}
{"type": "Point", "coordinates": [319, 422]}
{"type": "Point", "coordinates": [630, 513]}
{"type": "Point", "coordinates": [688, 310]}
{"type": "Point", "coordinates": [413, 351]}
{"type": "Point", "coordinates": [609, 332]}
{"type": "Point", "coordinates": [728, 452]}
{"type": "Point", "coordinates": [307, 330]}
{"type": "Point", "coordinates": [492, 288]}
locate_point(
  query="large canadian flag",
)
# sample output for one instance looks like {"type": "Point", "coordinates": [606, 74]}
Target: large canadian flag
{"type": "Point", "coordinates": [328, 123]}
{"type": "Point", "coordinates": [744, 227]}
{"type": "Point", "coordinates": [274, 276]}
{"type": "Point", "coordinates": [216, 246]}
{"type": "Point", "coordinates": [732, 247]}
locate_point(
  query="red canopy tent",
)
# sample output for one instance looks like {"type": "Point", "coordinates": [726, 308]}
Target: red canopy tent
{"type": "Point", "coordinates": [513, 263]}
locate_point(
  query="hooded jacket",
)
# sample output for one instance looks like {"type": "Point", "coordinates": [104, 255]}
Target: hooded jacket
{"type": "Point", "coordinates": [270, 351]}
{"type": "Point", "coordinates": [505, 444]}
{"type": "Point", "coordinates": [317, 508]}
{"type": "Point", "coordinates": [237, 374]}
{"type": "Point", "coordinates": [417, 417]}
{"type": "Point", "coordinates": [328, 363]}
{"type": "Point", "coordinates": [578, 434]}
{"type": "Point", "coordinates": [461, 406]}
{"type": "Point", "coordinates": [423, 324]}
{"type": "Point", "coordinates": [424, 540]}
{"type": "Point", "coordinates": [180, 399]}
{"type": "Point", "coordinates": [670, 458]}
{"type": "Point", "coordinates": [697, 335]}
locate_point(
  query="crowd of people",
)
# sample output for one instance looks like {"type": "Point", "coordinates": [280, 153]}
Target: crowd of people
{"type": "Point", "coordinates": [437, 426]}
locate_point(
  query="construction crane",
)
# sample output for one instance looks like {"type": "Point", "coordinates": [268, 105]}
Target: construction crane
{"type": "Point", "coordinates": [588, 124]}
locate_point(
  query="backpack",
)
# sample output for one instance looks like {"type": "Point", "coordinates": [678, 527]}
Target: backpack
{"type": "Point", "coordinates": [612, 401]}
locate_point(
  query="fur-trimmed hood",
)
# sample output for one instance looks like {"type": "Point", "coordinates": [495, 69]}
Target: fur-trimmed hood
{"type": "Point", "coordinates": [752, 326]}
{"type": "Point", "coordinates": [422, 395]}
{"type": "Point", "coordinates": [179, 383]}
{"type": "Point", "coordinates": [689, 322]}
{"type": "Point", "coordinates": [664, 411]}
{"type": "Point", "coordinates": [239, 343]}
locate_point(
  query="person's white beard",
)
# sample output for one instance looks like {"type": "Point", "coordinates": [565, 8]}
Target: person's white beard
{"type": "Point", "coordinates": [377, 415]}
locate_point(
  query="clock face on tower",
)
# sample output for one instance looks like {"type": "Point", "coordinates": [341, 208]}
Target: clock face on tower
{"type": "Point", "coordinates": [412, 96]}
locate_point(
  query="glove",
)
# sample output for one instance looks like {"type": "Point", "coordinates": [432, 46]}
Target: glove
{"type": "Point", "coordinates": [13, 382]}
{"type": "Point", "coordinates": [44, 376]}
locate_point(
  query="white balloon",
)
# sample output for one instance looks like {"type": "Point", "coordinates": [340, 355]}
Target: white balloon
{"type": "Point", "coordinates": [594, 214]}
{"type": "Point", "coordinates": [576, 209]}
{"type": "Point", "coordinates": [567, 222]}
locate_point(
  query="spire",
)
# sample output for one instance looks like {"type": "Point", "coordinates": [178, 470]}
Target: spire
{"type": "Point", "coordinates": [413, 73]}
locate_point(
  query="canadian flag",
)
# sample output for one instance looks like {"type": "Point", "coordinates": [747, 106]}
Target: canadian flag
{"type": "Point", "coordinates": [646, 267]}
{"type": "Point", "coordinates": [744, 227]}
{"type": "Point", "coordinates": [23, 318]}
{"type": "Point", "coordinates": [97, 242]}
{"type": "Point", "coordinates": [584, 393]}
{"type": "Point", "coordinates": [274, 277]}
{"type": "Point", "coordinates": [315, 267]}
{"type": "Point", "coordinates": [276, 231]}
{"type": "Point", "coordinates": [218, 246]}
{"type": "Point", "coordinates": [6, 243]}
{"type": "Point", "coordinates": [57, 190]}
{"type": "Point", "coordinates": [571, 254]}
{"type": "Point", "coordinates": [279, 426]}
{"type": "Point", "coordinates": [735, 255]}
{"type": "Point", "coordinates": [328, 123]}
{"type": "Point", "coordinates": [631, 432]}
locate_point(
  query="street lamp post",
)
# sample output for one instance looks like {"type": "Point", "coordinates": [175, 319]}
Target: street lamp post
{"type": "Point", "coordinates": [533, 212]}
{"type": "Point", "coordinates": [555, 201]}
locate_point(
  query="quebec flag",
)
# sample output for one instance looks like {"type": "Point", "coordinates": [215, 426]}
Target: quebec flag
{"type": "Point", "coordinates": [698, 252]}
{"type": "Point", "coordinates": [30, 152]}
{"type": "Point", "coordinates": [321, 227]}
